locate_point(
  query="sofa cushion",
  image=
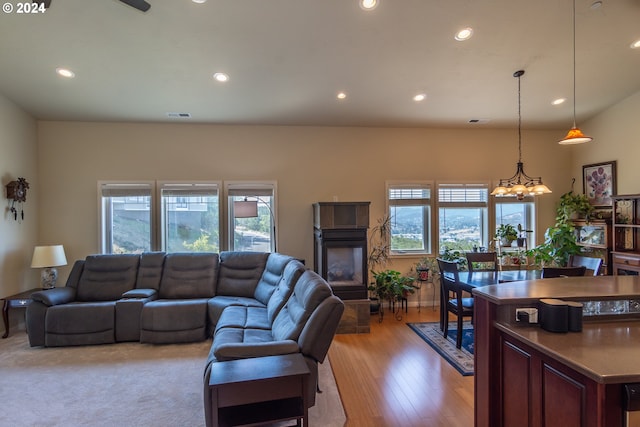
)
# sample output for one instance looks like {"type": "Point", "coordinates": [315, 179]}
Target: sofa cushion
{"type": "Point", "coordinates": [308, 293]}
{"type": "Point", "coordinates": [273, 271]}
{"type": "Point", "coordinates": [80, 318]}
{"type": "Point", "coordinates": [240, 273]}
{"type": "Point", "coordinates": [237, 316]}
{"type": "Point", "coordinates": [217, 304]}
{"type": "Point", "coordinates": [189, 275]}
{"type": "Point", "coordinates": [107, 277]}
{"type": "Point", "coordinates": [174, 315]}
{"type": "Point", "coordinates": [150, 270]}
{"type": "Point", "coordinates": [284, 288]}
{"type": "Point", "coordinates": [238, 343]}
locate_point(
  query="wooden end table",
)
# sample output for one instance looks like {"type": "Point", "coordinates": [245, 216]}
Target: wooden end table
{"type": "Point", "coordinates": [257, 390]}
{"type": "Point", "coordinates": [19, 300]}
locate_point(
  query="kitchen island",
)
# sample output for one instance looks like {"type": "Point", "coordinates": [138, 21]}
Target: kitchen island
{"type": "Point", "coordinates": [526, 376]}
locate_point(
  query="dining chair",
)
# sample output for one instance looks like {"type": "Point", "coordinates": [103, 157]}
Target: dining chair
{"type": "Point", "coordinates": [549, 272]}
{"type": "Point", "coordinates": [482, 261]}
{"type": "Point", "coordinates": [591, 263]}
{"type": "Point", "coordinates": [452, 299]}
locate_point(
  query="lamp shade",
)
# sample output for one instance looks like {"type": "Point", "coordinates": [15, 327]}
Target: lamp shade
{"type": "Point", "coordinates": [48, 256]}
{"type": "Point", "coordinates": [575, 136]}
{"type": "Point", "coordinates": [245, 208]}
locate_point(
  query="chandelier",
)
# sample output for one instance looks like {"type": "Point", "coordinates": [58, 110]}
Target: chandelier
{"type": "Point", "coordinates": [520, 184]}
{"type": "Point", "coordinates": [575, 135]}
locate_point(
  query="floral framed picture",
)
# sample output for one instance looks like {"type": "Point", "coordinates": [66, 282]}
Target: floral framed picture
{"type": "Point", "coordinates": [599, 183]}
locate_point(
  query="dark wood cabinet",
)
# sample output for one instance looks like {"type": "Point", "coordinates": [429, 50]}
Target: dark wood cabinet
{"type": "Point", "coordinates": [626, 235]}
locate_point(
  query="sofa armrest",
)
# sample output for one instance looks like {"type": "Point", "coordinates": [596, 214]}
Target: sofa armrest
{"type": "Point", "coordinates": [140, 293]}
{"type": "Point", "coordinates": [231, 351]}
{"type": "Point", "coordinates": [55, 296]}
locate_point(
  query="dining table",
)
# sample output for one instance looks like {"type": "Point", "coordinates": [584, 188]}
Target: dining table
{"type": "Point", "coordinates": [474, 279]}
{"type": "Point", "coordinates": [468, 280]}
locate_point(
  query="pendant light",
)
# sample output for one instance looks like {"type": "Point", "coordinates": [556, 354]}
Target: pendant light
{"type": "Point", "coordinates": [575, 135]}
{"type": "Point", "coordinates": [520, 184]}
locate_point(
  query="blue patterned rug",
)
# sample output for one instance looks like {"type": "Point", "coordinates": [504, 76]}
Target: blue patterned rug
{"type": "Point", "coordinates": [461, 359]}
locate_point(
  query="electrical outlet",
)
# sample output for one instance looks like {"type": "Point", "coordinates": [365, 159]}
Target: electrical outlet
{"type": "Point", "coordinates": [527, 315]}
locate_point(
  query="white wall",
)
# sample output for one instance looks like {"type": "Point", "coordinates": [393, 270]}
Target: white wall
{"type": "Point", "coordinates": [18, 144]}
{"type": "Point", "coordinates": [310, 164]}
{"type": "Point", "coordinates": [616, 134]}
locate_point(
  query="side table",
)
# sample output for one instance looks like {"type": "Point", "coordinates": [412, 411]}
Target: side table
{"type": "Point", "coordinates": [19, 300]}
{"type": "Point", "coordinates": [257, 390]}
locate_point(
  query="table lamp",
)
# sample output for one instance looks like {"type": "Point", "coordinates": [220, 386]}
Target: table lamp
{"type": "Point", "coordinates": [48, 258]}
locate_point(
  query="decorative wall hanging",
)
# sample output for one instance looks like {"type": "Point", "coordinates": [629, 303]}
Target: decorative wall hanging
{"type": "Point", "coordinates": [17, 193]}
{"type": "Point", "coordinates": [599, 182]}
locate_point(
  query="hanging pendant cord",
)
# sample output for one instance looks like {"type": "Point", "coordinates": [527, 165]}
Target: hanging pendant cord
{"type": "Point", "coordinates": [519, 123]}
{"type": "Point", "coordinates": [574, 63]}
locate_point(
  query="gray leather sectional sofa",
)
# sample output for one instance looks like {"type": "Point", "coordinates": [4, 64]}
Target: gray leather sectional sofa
{"type": "Point", "coordinates": [252, 304]}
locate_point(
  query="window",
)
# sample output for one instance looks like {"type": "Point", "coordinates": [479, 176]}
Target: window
{"type": "Point", "coordinates": [126, 220]}
{"type": "Point", "coordinates": [185, 217]}
{"type": "Point", "coordinates": [252, 217]}
{"type": "Point", "coordinates": [510, 210]}
{"type": "Point", "coordinates": [410, 214]}
{"type": "Point", "coordinates": [190, 217]}
{"type": "Point", "coordinates": [462, 216]}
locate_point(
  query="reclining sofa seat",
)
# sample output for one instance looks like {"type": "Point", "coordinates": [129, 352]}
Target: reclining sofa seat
{"type": "Point", "coordinates": [239, 277]}
{"type": "Point", "coordinates": [82, 312]}
{"type": "Point", "coordinates": [306, 324]}
{"type": "Point", "coordinates": [180, 312]}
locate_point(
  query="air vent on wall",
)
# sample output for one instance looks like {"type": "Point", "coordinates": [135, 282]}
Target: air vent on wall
{"type": "Point", "coordinates": [179, 115]}
{"type": "Point", "coordinates": [479, 121]}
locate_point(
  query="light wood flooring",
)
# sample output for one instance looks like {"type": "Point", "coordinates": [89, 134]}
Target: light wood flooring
{"type": "Point", "coordinates": [391, 377]}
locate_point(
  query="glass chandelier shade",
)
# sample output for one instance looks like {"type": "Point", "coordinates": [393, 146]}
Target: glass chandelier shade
{"type": "Point", "coordinates": [520, 184]}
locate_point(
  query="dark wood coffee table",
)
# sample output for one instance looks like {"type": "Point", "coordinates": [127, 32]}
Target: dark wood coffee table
{"type": "Point", "coordinates": [258, 390]}
{"type": "Point", "coordinates": [19, 300]}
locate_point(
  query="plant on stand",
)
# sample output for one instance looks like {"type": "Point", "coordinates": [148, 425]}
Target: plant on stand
{"type": "Point", "coordinates": [389, 285]}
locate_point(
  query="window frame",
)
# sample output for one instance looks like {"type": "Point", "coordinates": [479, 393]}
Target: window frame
{"type": "Point", "coordinates": [105, 237]}
{"type": "Point", "coordinates": [531, 215]}
{"type": "Point", "coordinates": [186, 186]}
{"type": "Point", "coordinates": [485, 217]}
{"type": "Point", "coordinates": [427, 217]}
{"type": "Point", "coordinates": [249, 189]}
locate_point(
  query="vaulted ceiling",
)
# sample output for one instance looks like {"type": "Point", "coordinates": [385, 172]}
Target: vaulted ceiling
{"type": "Point", "coordinates": [288, 59]}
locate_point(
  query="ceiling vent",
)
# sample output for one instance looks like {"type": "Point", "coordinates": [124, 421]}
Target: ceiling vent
{"type": "Point", "coordinates": [179, 115]}
{"type": "Point", "coordinates": [478, 121]}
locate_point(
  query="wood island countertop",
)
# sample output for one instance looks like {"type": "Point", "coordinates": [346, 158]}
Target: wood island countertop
{"type": "Point", "coordinates": [607, 352]}
{"type": "Point", "coordinates": [591, 288]}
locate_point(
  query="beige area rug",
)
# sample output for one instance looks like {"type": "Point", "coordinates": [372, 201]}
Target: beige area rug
{"type": "Point", "coordinates": [125, 384]}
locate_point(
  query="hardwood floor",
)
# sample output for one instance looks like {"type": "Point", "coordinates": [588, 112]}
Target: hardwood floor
{"type": "Point", "coordinates": [391, 377]}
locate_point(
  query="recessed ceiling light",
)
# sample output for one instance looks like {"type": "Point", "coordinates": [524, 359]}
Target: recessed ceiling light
{"type": "Point", "coordinates": [369, 4]}
{"type": "Point", "coordinates": [341, 95]}
{"type": "Point", "coordinates": [65, 72]}
{"type": "Point", "coordinates": [558, 101]}
{"type": "Point", "coordinates": [199, 1]}
{"type": "Point", "coordinates": [464, 34]}
{"type": "Point", "coordinates": [635, 44]}
{"type": "Point", "coordinates": [221, 77]}
{"type": "Point", "coordinates": [420, 97]}
{"type": "Point", "coordinates": [596, 5]}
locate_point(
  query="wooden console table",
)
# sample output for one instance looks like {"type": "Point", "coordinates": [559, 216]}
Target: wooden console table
{"type": "Point", "coordinates": [257, 390]}
{"type": "Point", "coordinates": [19, 300]}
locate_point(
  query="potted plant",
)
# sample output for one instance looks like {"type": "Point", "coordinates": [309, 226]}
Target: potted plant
{"type": "Point", "coordinates": [522, 236]}
{"type": "Point", "coordinates": [391, 285]}
{"type": "Point", "coordinates": [507, 233]}
{"type": "Point", "coordinates": [559, 244]}
{"type": "Point", "coordinates": [573, 206]}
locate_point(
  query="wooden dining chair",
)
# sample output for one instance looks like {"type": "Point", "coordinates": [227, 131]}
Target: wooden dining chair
{"type": "Point", "coordinates": [482, 261]}
{"type": "Point", "coordinates": [591, 263]}
{"type": "Point", "coordinates": [452, 298]}
{"type": "Point", "coordinates": [549, 272]}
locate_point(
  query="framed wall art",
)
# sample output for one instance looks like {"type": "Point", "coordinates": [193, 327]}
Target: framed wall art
{"type": "Point", "coordinates": [599, 183]}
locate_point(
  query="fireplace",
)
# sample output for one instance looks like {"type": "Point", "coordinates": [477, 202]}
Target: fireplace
{"type": "Point", "coordinates": [340, 250]}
